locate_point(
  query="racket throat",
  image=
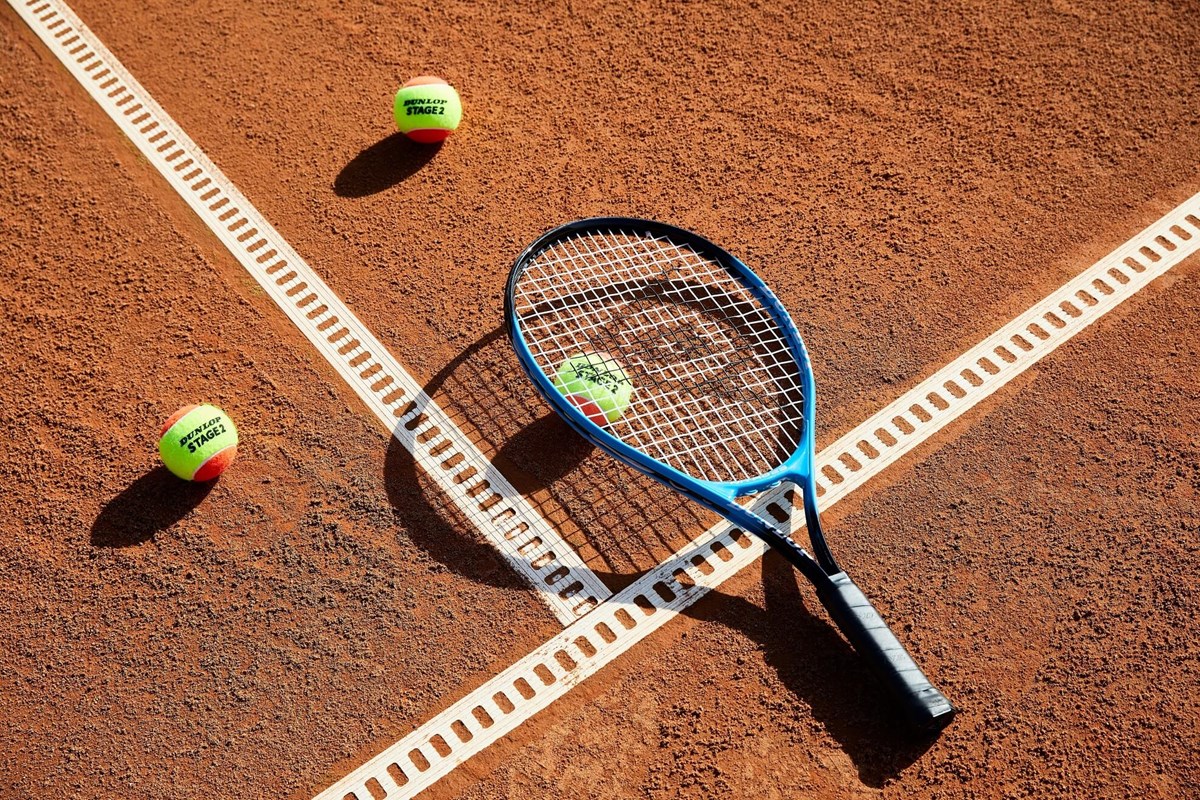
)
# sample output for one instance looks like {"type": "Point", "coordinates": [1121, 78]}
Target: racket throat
{"type": "Point", "coordinates": [816, 534]}
{"type": "Point", "coordinates": [778, 538]}
{"type": "Point", "coordinates": [782, 543]}
{"type": "Point", "coordinates": [797, 556]}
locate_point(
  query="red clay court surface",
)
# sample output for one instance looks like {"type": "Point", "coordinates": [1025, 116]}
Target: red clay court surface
{"type": "Point", "coordinates": [907, 179]}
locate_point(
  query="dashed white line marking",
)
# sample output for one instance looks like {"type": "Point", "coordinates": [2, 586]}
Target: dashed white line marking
{"type": "Point", "coordinates": [477, 489]}
{"type": "Point", "coordinates": [497, 707]}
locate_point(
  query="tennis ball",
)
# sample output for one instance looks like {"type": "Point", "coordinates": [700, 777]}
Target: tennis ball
{"type": "Point", "coordinates": [197, 443]}
{"type": "Point", "coordinates": [597, 385]}
{"type": "Point", "coordinates": [427, 109]}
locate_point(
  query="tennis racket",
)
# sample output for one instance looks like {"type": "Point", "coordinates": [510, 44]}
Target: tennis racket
{"type": "Point", "coordinates": [705, 386]}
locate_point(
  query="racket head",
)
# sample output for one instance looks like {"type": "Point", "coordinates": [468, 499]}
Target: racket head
{"type": "Point", "coordinates": [585, 286]}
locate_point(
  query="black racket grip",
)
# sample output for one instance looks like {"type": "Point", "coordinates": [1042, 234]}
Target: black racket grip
{"type": "Point", "coordinates": [924, 706]}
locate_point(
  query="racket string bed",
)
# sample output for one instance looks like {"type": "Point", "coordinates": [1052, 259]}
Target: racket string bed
{"type": "Point", "coordinates": [717, 393]}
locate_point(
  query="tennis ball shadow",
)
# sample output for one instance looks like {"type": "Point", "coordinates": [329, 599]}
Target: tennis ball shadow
{"type": "Point", "coordinates": [383, 165]}
{"type": "Point", "coordinates": [152, 503]}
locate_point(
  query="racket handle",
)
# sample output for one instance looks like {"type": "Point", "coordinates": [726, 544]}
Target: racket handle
{"type": "Point", "coordinates": [924, 706]}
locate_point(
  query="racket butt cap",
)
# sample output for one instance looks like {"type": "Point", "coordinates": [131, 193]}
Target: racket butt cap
{"type": "Point", "coordinates": [932, 713]}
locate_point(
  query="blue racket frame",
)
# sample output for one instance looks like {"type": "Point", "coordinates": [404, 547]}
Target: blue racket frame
{"type": "Point", "coordinates": [924, 706]}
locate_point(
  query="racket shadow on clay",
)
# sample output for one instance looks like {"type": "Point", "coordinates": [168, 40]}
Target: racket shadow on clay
{"type": "Point", "coordinates": [621, 523]}
{"type": "Point", "coordinates": [618, 513]}
{"type": "Point", "coordinates": [427, 514]}
{"type": "Point", "coordinates": [822, 673]}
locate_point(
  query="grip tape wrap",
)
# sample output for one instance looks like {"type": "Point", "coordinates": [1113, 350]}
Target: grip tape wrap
{"type": "Point", "coordinates": [924, 706]}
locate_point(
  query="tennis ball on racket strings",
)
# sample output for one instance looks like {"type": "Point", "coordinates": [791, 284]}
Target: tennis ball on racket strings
{"type": "Point", "coordinates": [596, 384]}
{"type": "Point", "coordinates": [197, 443]}
{"type": "Point", "coordinates": [427, 109]}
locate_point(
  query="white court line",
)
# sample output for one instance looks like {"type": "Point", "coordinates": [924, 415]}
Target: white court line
{"type": "Point", "coordinates": [497, 707]}
{"type": "Point", "coordinates": [509, 521]}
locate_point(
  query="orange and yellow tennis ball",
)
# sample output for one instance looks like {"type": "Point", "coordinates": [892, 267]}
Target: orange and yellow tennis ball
{"type": "Point", "coordinates": [427, 109]}
{"type": "Point", "coordinates": [597, 385]}
{"type": "Point", "coordinates": [197, 443]}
